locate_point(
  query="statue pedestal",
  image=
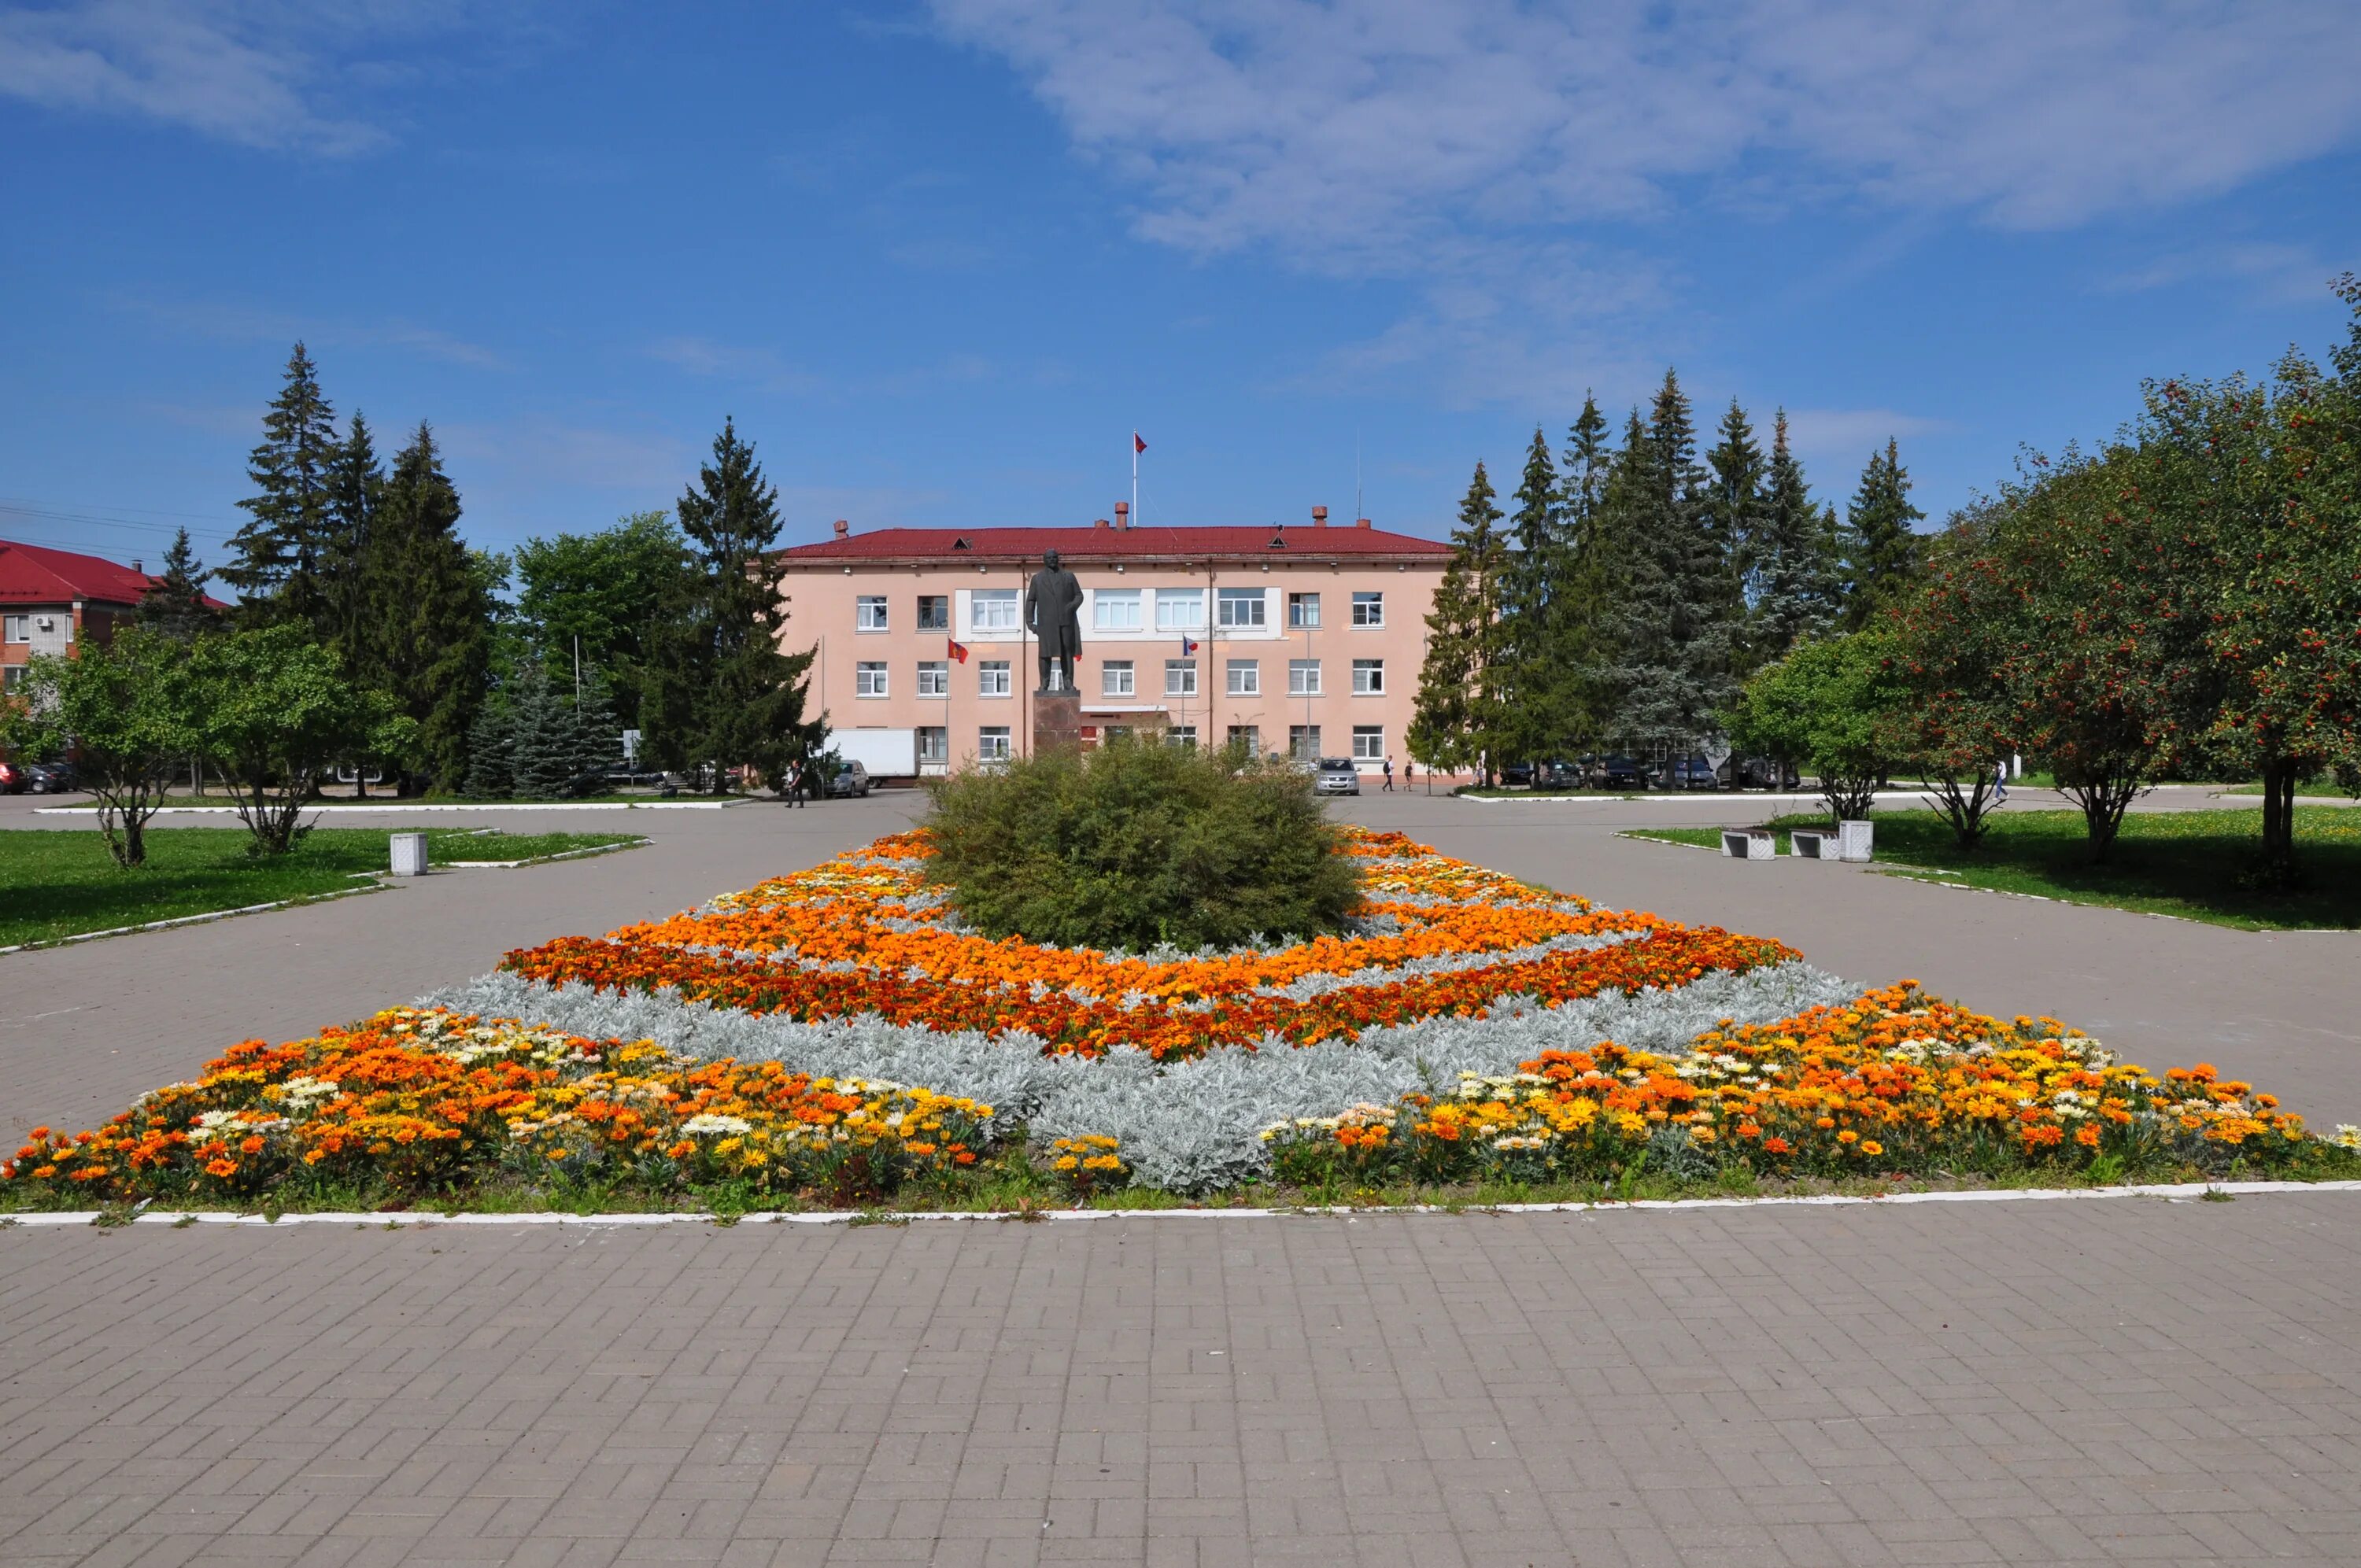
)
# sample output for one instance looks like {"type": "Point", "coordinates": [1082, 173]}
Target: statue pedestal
{"type": "Point", "coordinates": [1057, 720]}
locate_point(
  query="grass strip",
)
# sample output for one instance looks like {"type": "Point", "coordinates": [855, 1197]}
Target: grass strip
{"type": "Point", "coordinates": [2183, 863]}
{"type": "Point", "coordinates": [60, 883]}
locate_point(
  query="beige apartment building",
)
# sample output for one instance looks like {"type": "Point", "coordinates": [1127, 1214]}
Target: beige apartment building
{"type": "Point", "coordinates": [1303, 641]}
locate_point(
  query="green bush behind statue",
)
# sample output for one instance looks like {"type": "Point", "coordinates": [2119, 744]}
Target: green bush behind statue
{"type": "Point", "coordinates": [1138, 842]}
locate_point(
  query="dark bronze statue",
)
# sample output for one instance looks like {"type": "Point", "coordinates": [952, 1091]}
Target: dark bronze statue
{"type": "Point", "coordinates": [1053, 610]}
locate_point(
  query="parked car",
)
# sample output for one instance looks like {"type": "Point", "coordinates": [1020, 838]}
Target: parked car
{"type": "Point", "coordinates": [52, 778]}
{"type": "Point", "coordinates": [13, 778]}
{"type": "Point", "coordinates": [1517, 775]}
{"type": "Point", "coordinates": [1693, 772]}
{"type": "Point", "coordinates": [1336, 775]}
{"type": "Point", "coordinates": [851, 779]}
{"type": "Point", "coordinates": [1617, 772]}
{"type": "Point", "coordinates": [1755, 772]}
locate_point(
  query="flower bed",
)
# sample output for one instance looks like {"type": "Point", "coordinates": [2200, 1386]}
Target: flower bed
{"type": "Point", "coordinates": [1470, 1030]}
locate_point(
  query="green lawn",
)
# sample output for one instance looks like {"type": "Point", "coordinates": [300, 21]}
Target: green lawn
{"type": "Point", "coordinates": [60, 883]}
{"type": "Point", "coordinates": [2166, 862]}
{"type": "Point", "coordinates": [2324, 785]}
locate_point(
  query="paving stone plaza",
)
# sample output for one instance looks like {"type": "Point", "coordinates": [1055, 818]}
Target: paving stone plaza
{"type": "Point", "coordinates": [2133, 1380]}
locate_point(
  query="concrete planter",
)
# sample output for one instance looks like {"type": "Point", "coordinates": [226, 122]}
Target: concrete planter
{"type": "Point", "coordinates": [1854, 841]}
{"type": "Point", "coordinates": [409, 854]}
{"type": "Point", "coordinates": [1749, 843]}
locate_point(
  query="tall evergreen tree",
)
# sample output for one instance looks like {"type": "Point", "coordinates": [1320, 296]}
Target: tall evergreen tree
{"type": "Point", "coordinates": [1881, 552]}
{"type": "Point", "coordinates": [1532, 584]}
{"type": "Point", "coordinates": [544, 742]}
{"type": "Point", "coordinates": [355, 491]}
{"type": "Point", "coordinates": [429, 607]}
{"type": "Point", "coordinates": [718, 691]}
{"type": "Point", "coordinates": [1736, 502]}
{"type": "Point", "coordinates": [175, 603]}
{"type": "Point", "coordinates": [277, 555]}
{"type": "Point", "coordinates": [1455, 720]}
{"type": "Point", "coordinates": [1675, 614]}
{"type": "Point", "coordinates": [1794, 568]}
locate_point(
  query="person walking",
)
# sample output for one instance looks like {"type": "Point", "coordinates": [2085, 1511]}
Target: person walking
{"type": "Point", "coordinates": [1410, 773]}
{"type": "Point", "coordinates": [1999, 783]}
{"type": "Point", "coordinates": [795, 781]}
{"type": "Point", "coordinates": [1389, 774]}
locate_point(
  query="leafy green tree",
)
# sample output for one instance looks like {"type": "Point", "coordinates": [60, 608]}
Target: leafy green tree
{"type": "Point", "coordinates": [129, 707]}
{"type": "Point", "coordinates": [277, 555]}
{"type": "Point", "coordinates": [276, 714]}
{"type": "Point", "coordinates": [1455, 720]}
{"type": "Point", "coordinates": [1791, 568]}
{"type": "Point", "coordinates": [1953, 640]}
{"type": "Point", "coordinates": [1882, 552]}
{"type": "Point", "coordinates": [430, 609]}
{"type": "Point", "coordinates": [1830, 706]}
{"type": "Point", "coordinates": [590, 598]}
{"type": "Point", "coordinates": [719, 692]}
{"type": "Point", "coordinates": [175, 605]}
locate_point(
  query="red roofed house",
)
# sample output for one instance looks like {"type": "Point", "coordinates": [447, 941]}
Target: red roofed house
{"type": "Point", "coordinates": [51, 599]}
{"type": "Point", "coordinates": [1306, 641]}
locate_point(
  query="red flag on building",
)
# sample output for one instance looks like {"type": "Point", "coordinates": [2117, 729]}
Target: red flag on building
{"type": "Point", "coordinates": [1137, 445]}
{"type": "Point", "coordinates": [958, 651]}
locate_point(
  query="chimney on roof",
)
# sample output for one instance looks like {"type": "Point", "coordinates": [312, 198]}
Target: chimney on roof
{"type": "Point", "coordinates": [1122, 514]}
{"type": "Point", "coordinates": [1099, 523]}
{"type": "Point", "coordinates": [842, 528]}
{"type": "Point", "coordinates": [138, 566]}
{"type": "Point", "coordinates": [1360, 523]}
{"type": "Point", "coordinates": [1319, 517]}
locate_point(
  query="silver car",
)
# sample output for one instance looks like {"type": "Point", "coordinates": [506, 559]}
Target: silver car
{"type": "Point", "coordinates": [1336, 775]}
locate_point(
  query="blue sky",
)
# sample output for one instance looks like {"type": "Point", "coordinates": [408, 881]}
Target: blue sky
{"type": "Point", "coordinates": [939, 259]}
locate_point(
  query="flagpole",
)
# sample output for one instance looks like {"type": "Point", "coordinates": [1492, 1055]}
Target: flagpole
{"type": "Point", "coordinates": [1134, 478]}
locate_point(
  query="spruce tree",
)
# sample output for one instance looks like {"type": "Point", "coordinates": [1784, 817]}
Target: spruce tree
{"type": "Point", "coordinates": [1881, 552]}
{"type": "Point", "coordinates": [1456, 721]}
{"type": "Point", "coordinates": [277, 555]}
{"type": "Point", "coordinates": [719, 692]}
{"type": "Point", "coordinates": [491, 751]}
{"type": "Point", "coordinates": [1736, 508]}
{"type": "Point", "coordinates": [174, 605]}
{"type": "Point", "coordinates": [428, 607]}
{"type": "Point", "coordinates": [1795, 569]}
{"type": "Point", "coordinates": [544, 744]}
{"type": "Point", "coordinates": [597, 739]}
{"type": "Point", "coordinates": [1579, 632]}
{"type": "Point", "coordinates": [1530, 585]}
{"type": "Point", "coordinates": [355, 491]}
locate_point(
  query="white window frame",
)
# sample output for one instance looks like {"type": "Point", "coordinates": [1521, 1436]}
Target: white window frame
{"type": "Point", "coordinates": [1304, 677]}
{"type": "Point", "coordinates": [940, 749]}
{"type": "Point", "coordinates": [1244, 678]}
{"type": "Point", "coordinates": [16, 629]}
{"type": "Point", "coordinates": [1368, 677]}
{"type": "Point", "coordinates": [1184, 735]}
{"type": "Point", "coordinates": [1116, 609]}
{"type": "Point", "coordinates": [1303, 610]}
{"type": "Point", "coordinates": [1369, 609]}
{"type": "Point", "coordinates": [1117, 678]}
{"type": "Point", "coordinates": [1001, 602]}
{"type": "Point", "coordinates": [869, 613]}
{"type": "Point", "coordinates": [1179, 677]}
{"type": "Point", "coordinates": [934, 677]}
{"type": "Point", "coordinates": [1368, 742]}
{"type": "Point", "coordinates": [1298, 733]}
{"type": "Point", "coordinates": [1249, 733]}
{"type": "Point", "coordinates": [869, 678]}
{"type": "Point", "coordinates": [1179, 610]}
{"type": "Point", "coordinates": [992, 743]}
{"type": "Point", "coordinates": [1241, 607]}
{"type": "Point", "coordinates": [993, 678]}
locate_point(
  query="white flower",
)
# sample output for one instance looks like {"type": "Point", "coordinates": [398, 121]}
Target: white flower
{"type": "Point", "coordinates": [713, 1124]}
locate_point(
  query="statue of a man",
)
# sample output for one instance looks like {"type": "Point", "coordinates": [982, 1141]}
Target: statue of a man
{"type": "Point", "coordinates": [1053, 610]}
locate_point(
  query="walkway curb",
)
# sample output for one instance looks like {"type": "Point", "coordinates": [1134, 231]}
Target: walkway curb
{"type": "Point", "coordinates": [2184, 1192]}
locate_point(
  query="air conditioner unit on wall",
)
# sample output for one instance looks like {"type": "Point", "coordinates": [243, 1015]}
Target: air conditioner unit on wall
{"type": "Point", "coordinates": [46, 622]}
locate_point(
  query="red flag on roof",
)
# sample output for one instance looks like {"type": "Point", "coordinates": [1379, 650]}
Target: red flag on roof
{"type": "Point", "coordinates": [1137, 445]}
{"type": "Point", "coordinates": [958, 649]}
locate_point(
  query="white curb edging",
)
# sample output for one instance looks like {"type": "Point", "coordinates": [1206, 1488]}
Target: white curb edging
{"type": "Point", "coordinates": [356, 810]}
{"type": "Point", "coordinates": [2180, 1191]}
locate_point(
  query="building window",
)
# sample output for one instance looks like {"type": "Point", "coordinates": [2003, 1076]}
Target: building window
{"type": "Point", "coordinates": [1184, 736]}
{"type": "Point", "coordinates": [1368, 609]}
{"type": "Point", "coordinates": [1179, 677]}
{"type": "Point", "coordinates": [1304, 677]}
{"type": "Point", "coordinates": [935, 677]}
{"type": "Point", "coordinates": [1179, 610]}
{"type": "Point", "coordinates": [1115, 678]}
{"type": "Point", "coordinates": [1239, 606]}
{"type": "Point", "coordinates": [1369, 743]}
{"type": "Point", "coordinates": [869, 679]}
{"type": "Point", "coordinates": [934, 612]}
{"type": "Point", "coordinates": [1113, 732]}
{"type": "Point", "coordinates": [1303, 610]}
{"type": "Point", "coordinates": [1246, 678]}
{"type": "Point", "coordinates": [992, 743]}
{"type": "Point", "coordinates": [869, 613]}
{"type": "Point", "coordinates": [1368, 677]}
{"type": "Point", "coordinates": [934, 745]}
{"type": "Point", "coordinates": [1303, 742]}
{"type": "Point", "coordinates": [16, 629]}
{"type": "Point", "coordinates": [9, 675]}
{"type": "Point", "coordinates": [1116, 609]}
{"type": "Point", "coordinates": [992, 679]}
{"type": "Point", "coordinates": [994, 610]}
{"type": "Point", "coordinates": [1245, 737]}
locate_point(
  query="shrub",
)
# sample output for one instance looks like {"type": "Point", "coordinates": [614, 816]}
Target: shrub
{"type": "Point", "coordinates": [1137, 843]}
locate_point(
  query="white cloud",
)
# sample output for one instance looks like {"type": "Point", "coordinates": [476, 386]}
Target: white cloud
{"type": "Point", "coordinates": [2277, 274]}
{"type": "Point", "coordinates": [247, 323]}
{"type": "Point", "coordinates": [1835, 443]}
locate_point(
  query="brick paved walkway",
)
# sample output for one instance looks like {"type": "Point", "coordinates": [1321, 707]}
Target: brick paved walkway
{"type": "Point", "coordinates": [2126, 1381]}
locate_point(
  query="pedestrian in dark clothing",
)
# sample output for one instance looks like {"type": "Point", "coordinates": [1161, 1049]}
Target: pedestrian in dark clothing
{"type": "Point", "coordinates": [1389, 774]}
{"type": "Point", "coordinates": [795, 783]}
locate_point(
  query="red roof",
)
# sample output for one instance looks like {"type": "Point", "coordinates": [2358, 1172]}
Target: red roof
{"type": "Point", "coordinates": [948, 545]}
{"type": "Point", "coordinates": [34, 574]}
